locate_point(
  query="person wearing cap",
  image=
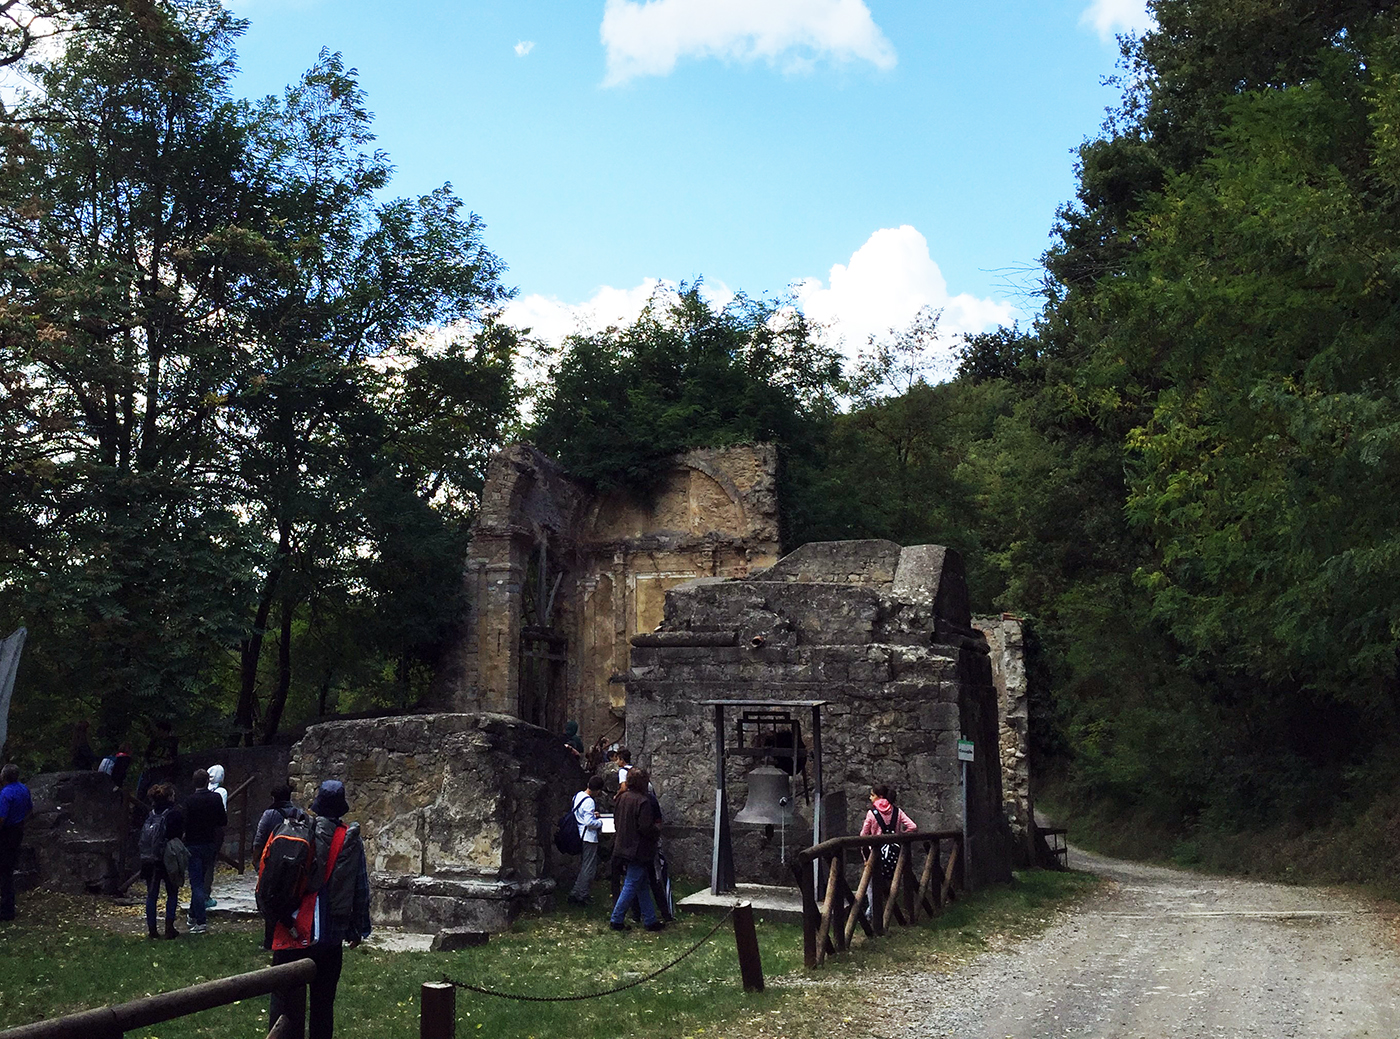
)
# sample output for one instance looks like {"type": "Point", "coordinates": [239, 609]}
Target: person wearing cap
{"type": "Point", "coordinates": [333, 914]}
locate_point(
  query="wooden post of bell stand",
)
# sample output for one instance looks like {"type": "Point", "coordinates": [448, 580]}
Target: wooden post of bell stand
{"type": "Point", "coordinates": [437, 1016]}
{"type": "Point", "coordinates": [746, 941]}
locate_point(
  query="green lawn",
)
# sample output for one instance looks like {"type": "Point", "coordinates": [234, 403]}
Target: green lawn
{"type": "Point", "coordinates": [56, 961]}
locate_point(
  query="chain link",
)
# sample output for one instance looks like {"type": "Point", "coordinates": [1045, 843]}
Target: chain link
{"type": "Point", "coordinates": [592, 995]}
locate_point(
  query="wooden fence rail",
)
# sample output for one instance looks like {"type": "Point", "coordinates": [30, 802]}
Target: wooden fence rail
{"type": "Point", "coordinates": [829, 924]}
{"type": "Point", "coordinates": [114, 1021]}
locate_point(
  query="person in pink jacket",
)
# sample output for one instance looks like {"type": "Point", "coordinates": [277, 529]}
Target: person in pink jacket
{"type": "Point", "coordinates": [880, 802]}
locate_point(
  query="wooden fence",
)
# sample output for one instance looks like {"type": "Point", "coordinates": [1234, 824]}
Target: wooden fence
{"type": "Point", "coordinates": [829, 924]}
{"type": "Point", "coordinates": [115, 1021]}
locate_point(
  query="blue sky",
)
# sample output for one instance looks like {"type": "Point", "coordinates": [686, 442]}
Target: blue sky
{"type": "Point", "coordinates": [878, 154]}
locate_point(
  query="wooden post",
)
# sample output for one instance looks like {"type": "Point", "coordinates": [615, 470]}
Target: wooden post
{"type": "Point", "coordinates": [746, 942]}
{"type": "Point", "coordinates": [437, 1017]}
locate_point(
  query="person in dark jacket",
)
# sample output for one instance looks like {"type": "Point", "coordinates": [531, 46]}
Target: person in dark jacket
{"type": "Point", "coordinates": [162, 797]}
{"type": "Point", "coordinates": [15, 806]}
{"type": "Point", "coordinates": [638, 830]}
{"type": "Point", "coordinates": [205, 818]}
{"type": "Point", "coordinates": [333, 915]}
{"type": "Point", "coordinates": [281, 810]}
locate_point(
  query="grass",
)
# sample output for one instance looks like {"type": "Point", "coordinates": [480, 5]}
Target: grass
{"type": "Point", "coordinates": [58, 958]}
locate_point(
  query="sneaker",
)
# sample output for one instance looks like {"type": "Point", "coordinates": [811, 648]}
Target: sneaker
{"type": "Point", "coordinates": [199, 929]}
{"type": "Point", "coordinates": [619, 927]}
{"type": "Point", "coordinates": [210, 903]}
{"type": "Point", "coordinates": [656, 925]}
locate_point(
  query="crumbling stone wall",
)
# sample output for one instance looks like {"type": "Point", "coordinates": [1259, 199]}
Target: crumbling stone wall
{"type": "Point", "coordinates": [456, 810]}
{"type": "Point", "coordinates": [559, 578]}
{"type": "Point", "coordinates": [880, 632]}
{"type": "Point", "coordinates": [73, 839]}
{"type": "Point", "coordinates": [1006, 640]}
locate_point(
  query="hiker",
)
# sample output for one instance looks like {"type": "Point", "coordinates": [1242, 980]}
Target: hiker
{"type": "Point", "coordinates": [116, 765]}
{"type": "Point", "coordinates": [638, 829]}
{"type": "Point", "coordinates": [281, 810]}
{"type": "Point", "coordinates": [336, 913]}
{"type": "Point", "coordinates": [205, 817]}
{"type": "Point", "coordinates": [216, 784]}
{"type": "Point", "coordinates": [573, 742]}
{"type": "Point", "coordinates": [15, 806]}
{"type": "Point", "coordinates": [884, 818]}
{"type": "Point", "coordinates": [164, 823]}
{"type": "Point", "coordinates": [589, 826]}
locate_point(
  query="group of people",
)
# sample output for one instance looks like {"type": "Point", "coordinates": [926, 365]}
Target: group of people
{"type": "Point", "coordinates": [183, 838]}
{"type": "Point", "coordinates": [638, 878]}
{"type": "Point", "coordinates": [330, 912]}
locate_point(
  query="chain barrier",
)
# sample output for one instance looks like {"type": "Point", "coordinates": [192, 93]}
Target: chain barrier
{"type": "Point", "coordinates": [593, 995]}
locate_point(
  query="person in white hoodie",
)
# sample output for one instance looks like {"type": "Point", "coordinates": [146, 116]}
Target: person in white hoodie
{"type": "Point", "coordinates": [216, 784]}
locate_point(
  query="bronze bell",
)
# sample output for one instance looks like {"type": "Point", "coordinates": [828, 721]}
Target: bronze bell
{"type": "Point", "coordinates": [770, 800]}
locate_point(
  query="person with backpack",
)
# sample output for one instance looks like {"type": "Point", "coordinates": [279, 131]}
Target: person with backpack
{"type": "Point", "coordinates": [334, 912]}
{"type": "Point", "coordinates": [589, 826]}
{"type": "Point", "coordinates": [205, 818]}
{"type": "Point", "coordinates": [281, 811]}
{"type": "Point", "coordinates": [164, 823]}
{"type": "Point", "coordinates": [884, 818]}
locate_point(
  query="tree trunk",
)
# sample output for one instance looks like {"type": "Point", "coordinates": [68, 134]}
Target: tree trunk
{"type": "Point", "coordinates": [250, 649]}
{"type": "Point", "coordinates": [284, 673]}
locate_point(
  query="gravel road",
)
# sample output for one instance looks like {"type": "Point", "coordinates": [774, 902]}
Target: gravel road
{"type": "Point", "coordinates": [1163, 953]}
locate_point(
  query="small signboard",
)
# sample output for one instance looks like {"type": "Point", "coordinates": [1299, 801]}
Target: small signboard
{"type": "Point", "coordinates": [965, 750]}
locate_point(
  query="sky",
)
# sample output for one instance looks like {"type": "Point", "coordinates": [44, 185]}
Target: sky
{"type": "Point", "coordinates": [865, 157]}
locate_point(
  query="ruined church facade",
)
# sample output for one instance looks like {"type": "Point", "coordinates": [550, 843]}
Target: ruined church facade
{"type": "Point", "coordinates": [559, 578]}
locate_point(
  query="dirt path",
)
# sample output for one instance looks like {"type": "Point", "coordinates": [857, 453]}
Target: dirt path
{"type": "Point", "coordinates": [1166, 953]}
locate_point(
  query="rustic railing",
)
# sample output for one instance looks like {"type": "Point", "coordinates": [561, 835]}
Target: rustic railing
{"type": "Point", "coordinates": [240, 792]}
{"type": "Point", "coordinates": [115, 1021]}
{"type": "Point", "coordinates": [829, 924]}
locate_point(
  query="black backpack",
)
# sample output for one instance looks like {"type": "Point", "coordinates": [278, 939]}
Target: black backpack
{"type": "Point", "coordinates": [889, 853]}
{"type": "Point", "coordinates": [151, 844]}
{"type": "Point", "coordinates": [287, 865]}
{"type": "Point", "coordinates": [566, 836]}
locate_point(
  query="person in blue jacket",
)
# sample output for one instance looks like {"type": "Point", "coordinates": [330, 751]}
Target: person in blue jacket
{"type": "Point", "coordinates": [15, 806]}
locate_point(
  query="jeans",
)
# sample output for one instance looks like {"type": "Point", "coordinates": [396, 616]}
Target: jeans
{"type": "Point", "coordinates": [329, 957]}
{"type": "Point", "coordinates": [635, 887]}
{"type": "Point", "coordinates": [587, 870]}
{"type": "Point", "coordinates": [200, 854]}
{"type": "Point", "coordinates": [154, 879]}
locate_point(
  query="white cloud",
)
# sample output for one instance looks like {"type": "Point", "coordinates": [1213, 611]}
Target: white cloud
{"type": "Point", "coordinates": [884, 285]}
{"type": "Point", "coordinates": [551, 319]}
{"type": "Point", "coordinates": [1110, 17]}
{"type": "Point", "coordinates": [524, 47]}
{"type": "Point", "coordinates": [648, 37]}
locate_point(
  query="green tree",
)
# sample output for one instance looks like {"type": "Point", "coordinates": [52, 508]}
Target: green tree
{"type": "Point", "coordinates": [619, 403]}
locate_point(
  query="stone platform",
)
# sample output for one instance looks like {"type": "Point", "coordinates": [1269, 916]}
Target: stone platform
{"type": "Point", "coordinates": [773, 903]}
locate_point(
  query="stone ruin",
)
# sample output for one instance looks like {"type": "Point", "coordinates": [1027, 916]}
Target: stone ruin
{"type": "Point", "coordinates": [610, 608]}
{"type": "Point", "coordinates": [457, 812]}
{"type": "Point", "coordinates": [882, 633]}
{"type": "Point", "coordinates": [560, 578]}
